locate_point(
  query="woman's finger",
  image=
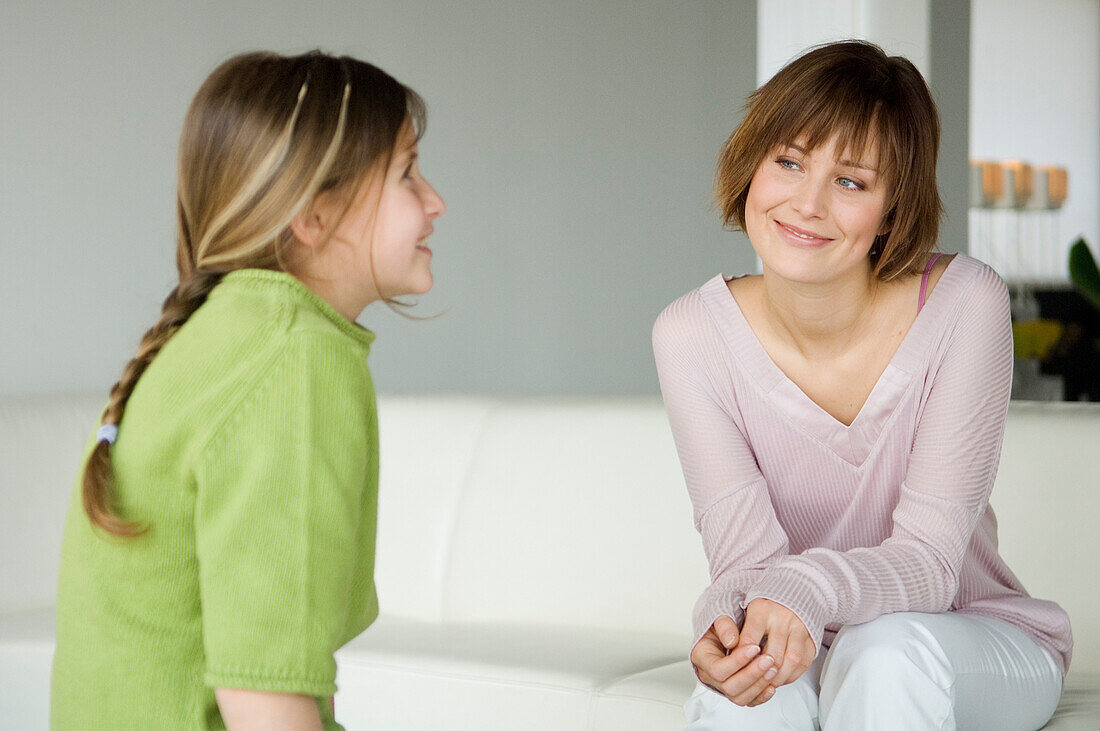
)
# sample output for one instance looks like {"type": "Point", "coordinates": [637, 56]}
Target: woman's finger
{"type": "Point", "coordinates": [711, 657]}
{"type": "Point", "coordinates": [724, 668]}
{"type": "Point", "coordinates": [797, 658]}
{"type": "Point", "coordinates": [726, 630]}
{"type": "Point", "coordinates": [714, 672]}
{"type": "Point", "coordinates": [707, 650]}
{"type": "Point", "coordinates": [756, 624]}
{"type": "Point", "coordinates": [777, 645]}
{"type": "Point", "coordinates": [764, 697]}
{"type": "Point", "coordinates": [750, 682]}
{"type": "Point", "coordinates": [798, 655]}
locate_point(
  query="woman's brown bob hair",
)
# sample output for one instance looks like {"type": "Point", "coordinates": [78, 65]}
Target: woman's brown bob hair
{"type": "Point", "coordinates": [854, 91]}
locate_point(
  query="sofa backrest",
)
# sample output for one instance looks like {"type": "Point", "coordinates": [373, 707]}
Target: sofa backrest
{"type": "Point", "coordinates": [535, 511]}
{"type": "Point", "coordinates": [1047, 501]}
{"type": "Point", "coordinates": [41, 440]}
{"type": "Point", "coordinates": [575, 514]}
{"type": "Point", "coordinates": [564, 511]}
{"type": "Point", "coordinates": [427, 445]}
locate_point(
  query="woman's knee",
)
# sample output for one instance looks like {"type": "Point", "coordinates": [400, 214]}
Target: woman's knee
{"type": "Point", "coordinates": [888, 651]}
{"type": "Point", "coordinates": [789, 708]}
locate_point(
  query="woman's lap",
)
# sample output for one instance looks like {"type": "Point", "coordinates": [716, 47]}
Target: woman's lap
{"type": "Point", "coordinates": [907, 670]}
{"type": "Point", "coordinates": [794, 706]}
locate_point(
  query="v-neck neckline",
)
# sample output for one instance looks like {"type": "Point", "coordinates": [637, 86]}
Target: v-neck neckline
{"type": "Point", "coordinates": [851, 442]}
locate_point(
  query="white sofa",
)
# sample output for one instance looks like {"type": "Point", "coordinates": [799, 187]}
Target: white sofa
{"type": "Point", "coordinates": [537, 563]}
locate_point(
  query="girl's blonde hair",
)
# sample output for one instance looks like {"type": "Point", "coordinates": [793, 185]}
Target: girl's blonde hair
{"type": "Point", "coordinates": [264, 136]}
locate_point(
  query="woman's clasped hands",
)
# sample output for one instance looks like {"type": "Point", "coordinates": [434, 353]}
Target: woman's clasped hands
{"type": "Point", "coordinates": [772, 648]}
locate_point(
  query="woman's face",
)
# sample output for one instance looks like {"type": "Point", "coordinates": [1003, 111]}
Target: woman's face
{"type": "Point", "coordinates": [812, 215]}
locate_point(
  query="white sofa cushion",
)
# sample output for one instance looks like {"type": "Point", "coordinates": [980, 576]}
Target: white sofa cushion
{"type": "Point", "coordinates": [414, 675]}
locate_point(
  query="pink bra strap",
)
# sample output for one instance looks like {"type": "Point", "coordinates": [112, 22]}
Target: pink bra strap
{"type": "Point", "coordinates": [924, 281]}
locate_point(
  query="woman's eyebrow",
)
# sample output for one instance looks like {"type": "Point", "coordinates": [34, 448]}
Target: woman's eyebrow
{"type": "Point", "coordinates": [851, 164]}
{"type": "Point", "coordinates": [845, 163]}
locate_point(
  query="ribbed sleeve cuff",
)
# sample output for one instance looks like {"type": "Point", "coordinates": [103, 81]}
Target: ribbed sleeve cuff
{"type": "Point", "coordinates": [797, 593]}
{"type": "Point", "coordinates": [305, 684]}
{"type": "Point", "coordinates": [714, 604]}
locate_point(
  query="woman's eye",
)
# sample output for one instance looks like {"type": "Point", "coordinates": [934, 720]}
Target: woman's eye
{"type": "Point", "coordinates": [850, 184]}
{"type": "Point", "coordinates": [787, 163]}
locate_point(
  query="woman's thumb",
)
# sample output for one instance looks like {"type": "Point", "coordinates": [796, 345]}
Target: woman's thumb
{"type": "Point", "coordinates": [726, 629]}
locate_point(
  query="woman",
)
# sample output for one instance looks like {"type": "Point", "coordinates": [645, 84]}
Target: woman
{"type": "Point", "coordinates": [839, 421]}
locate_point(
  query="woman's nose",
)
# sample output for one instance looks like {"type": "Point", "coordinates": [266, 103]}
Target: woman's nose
{"type": "Point", "coordinates": [809, 197]}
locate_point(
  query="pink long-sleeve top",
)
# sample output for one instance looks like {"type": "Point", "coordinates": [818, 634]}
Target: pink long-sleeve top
{"type": "Point", "coordinates": [842, 524]}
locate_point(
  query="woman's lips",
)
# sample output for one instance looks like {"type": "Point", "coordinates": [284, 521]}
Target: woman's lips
{"type": "Point", "coordinates": [800, 236]}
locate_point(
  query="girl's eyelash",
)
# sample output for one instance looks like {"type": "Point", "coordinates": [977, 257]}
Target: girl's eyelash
{"type": "Point", "coordinates": [787, 163]}
{"type": "Point", "coordinates": [855, 184]}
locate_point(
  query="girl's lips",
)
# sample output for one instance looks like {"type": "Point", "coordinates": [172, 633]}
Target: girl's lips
{"type": "Point", "coordinates": [799, 236]}
{"type": "Point", "coordinates": [422, 244]}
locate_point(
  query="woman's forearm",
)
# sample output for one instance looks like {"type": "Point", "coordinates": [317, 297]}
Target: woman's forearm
{"type": "Point", "coordinates": [245, 710]}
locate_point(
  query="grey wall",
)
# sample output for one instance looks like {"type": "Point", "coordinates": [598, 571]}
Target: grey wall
{"type": "Point", "coordinates": [574, 143]}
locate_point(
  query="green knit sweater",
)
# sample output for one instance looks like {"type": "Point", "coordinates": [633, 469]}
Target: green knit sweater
{"type": "Point", "coordinates": [250, 448]}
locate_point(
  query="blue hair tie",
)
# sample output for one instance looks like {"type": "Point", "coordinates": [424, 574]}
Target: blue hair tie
{"type": "Point", "coordinates": [107, 433]}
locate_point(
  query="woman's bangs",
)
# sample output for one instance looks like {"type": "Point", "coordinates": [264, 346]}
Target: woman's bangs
{"type": "Point", "coordinates": [851, 120]}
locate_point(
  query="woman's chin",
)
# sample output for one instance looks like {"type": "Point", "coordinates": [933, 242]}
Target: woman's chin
{"type": "Point", "coordinates": [795, 270]}
{"type": "Point", "coordinates": [812, 270]}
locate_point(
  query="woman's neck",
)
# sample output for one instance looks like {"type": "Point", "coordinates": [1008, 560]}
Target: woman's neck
{"type": "Point", "coordinates": [820, 320]}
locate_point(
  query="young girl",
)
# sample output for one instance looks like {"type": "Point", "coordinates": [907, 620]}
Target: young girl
{"type": "Point", "coordinates": [220, 541]}
{"type": "Point", "coordinates": [839, 421]}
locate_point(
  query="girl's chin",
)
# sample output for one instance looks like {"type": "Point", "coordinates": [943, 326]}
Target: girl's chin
{"type": "Point", "coordinates": [422, 286]}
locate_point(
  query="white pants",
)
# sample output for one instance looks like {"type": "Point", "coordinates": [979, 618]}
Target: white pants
{"type": "Point", "coordinates": [906, 671]}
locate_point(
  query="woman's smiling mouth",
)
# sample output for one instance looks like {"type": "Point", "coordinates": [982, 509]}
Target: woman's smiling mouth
{"type": "Point", "coordinates": [800, 236]}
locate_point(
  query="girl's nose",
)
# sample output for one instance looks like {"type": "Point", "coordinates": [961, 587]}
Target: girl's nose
{"type": "Point", "coordinates": [433, 202]}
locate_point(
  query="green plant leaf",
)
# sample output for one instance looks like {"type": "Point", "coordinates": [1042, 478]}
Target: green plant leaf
{"type": "Point", "coordinates": [1083, 272]}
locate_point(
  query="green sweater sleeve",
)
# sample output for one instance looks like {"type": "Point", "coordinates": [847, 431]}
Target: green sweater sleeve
{"type": "Point", "coordinates": [284, 490]}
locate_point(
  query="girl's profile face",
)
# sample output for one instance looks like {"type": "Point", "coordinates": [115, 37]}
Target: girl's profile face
{"type": "Point", "coordinates": [813, 214]}
{"type": "Point", "coordinates": [388, 230]}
